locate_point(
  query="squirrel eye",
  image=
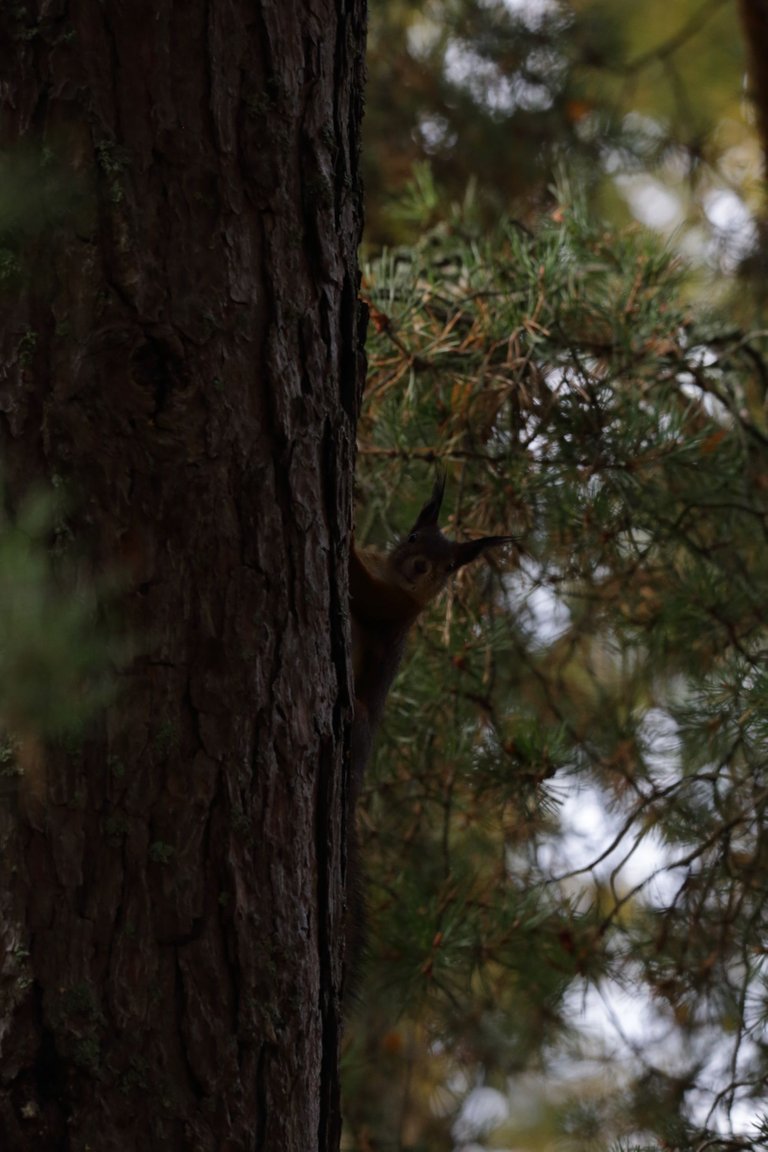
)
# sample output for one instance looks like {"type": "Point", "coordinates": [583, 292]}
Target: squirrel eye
{"type": "Point", "coordinates": [412, 538]}
{"type": "Point", "coordinates": [451, 567]}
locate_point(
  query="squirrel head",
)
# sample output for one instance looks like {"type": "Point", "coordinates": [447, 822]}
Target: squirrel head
{"type": "Point", "coordinates": [424, 561]}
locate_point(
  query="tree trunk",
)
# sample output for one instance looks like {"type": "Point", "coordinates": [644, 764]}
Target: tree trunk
{"type": "Point", "coordinates": [180, 352]}
{"type": "Point", "coordinates": [754, 23]}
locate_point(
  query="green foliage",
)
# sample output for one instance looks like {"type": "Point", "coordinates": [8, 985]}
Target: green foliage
{"type": "Point", "coordinates": [502, 93]}
{"type": "Point", "coordinates": [161, 853]}
{"type": "Point", "coordinates": [52, 648]}
{"type": "Point", "coordinates": [616, 660]}
{"type": "Point", "coordinates": [37, 193]}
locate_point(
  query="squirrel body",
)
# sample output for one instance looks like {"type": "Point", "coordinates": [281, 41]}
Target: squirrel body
{"type": "Point", "coordinates": [388, 591]}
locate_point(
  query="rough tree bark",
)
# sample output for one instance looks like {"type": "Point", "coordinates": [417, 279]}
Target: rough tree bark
{"type": "Point", "coordinates": [182, 354]}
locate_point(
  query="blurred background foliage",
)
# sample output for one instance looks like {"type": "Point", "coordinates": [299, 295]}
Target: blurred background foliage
{"type": "Point", "coordinates": [646, 103]}
{"type": "Point", "coordinates": [565, 822]}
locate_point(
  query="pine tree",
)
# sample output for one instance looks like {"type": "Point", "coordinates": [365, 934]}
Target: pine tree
{"type": "Point", "coordinates": [616, 666]}
{"type": "Point", "coordinates": [646, 102]}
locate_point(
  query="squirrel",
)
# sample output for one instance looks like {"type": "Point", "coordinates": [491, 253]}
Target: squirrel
{"type": "Point", "coordinates": [388, 591]}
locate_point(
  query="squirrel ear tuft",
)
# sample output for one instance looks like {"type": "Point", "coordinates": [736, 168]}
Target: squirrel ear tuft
{"type": "Point", "coordinates": [469, 551]}
{"type": "Point", "coordinates": [430, 513]}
